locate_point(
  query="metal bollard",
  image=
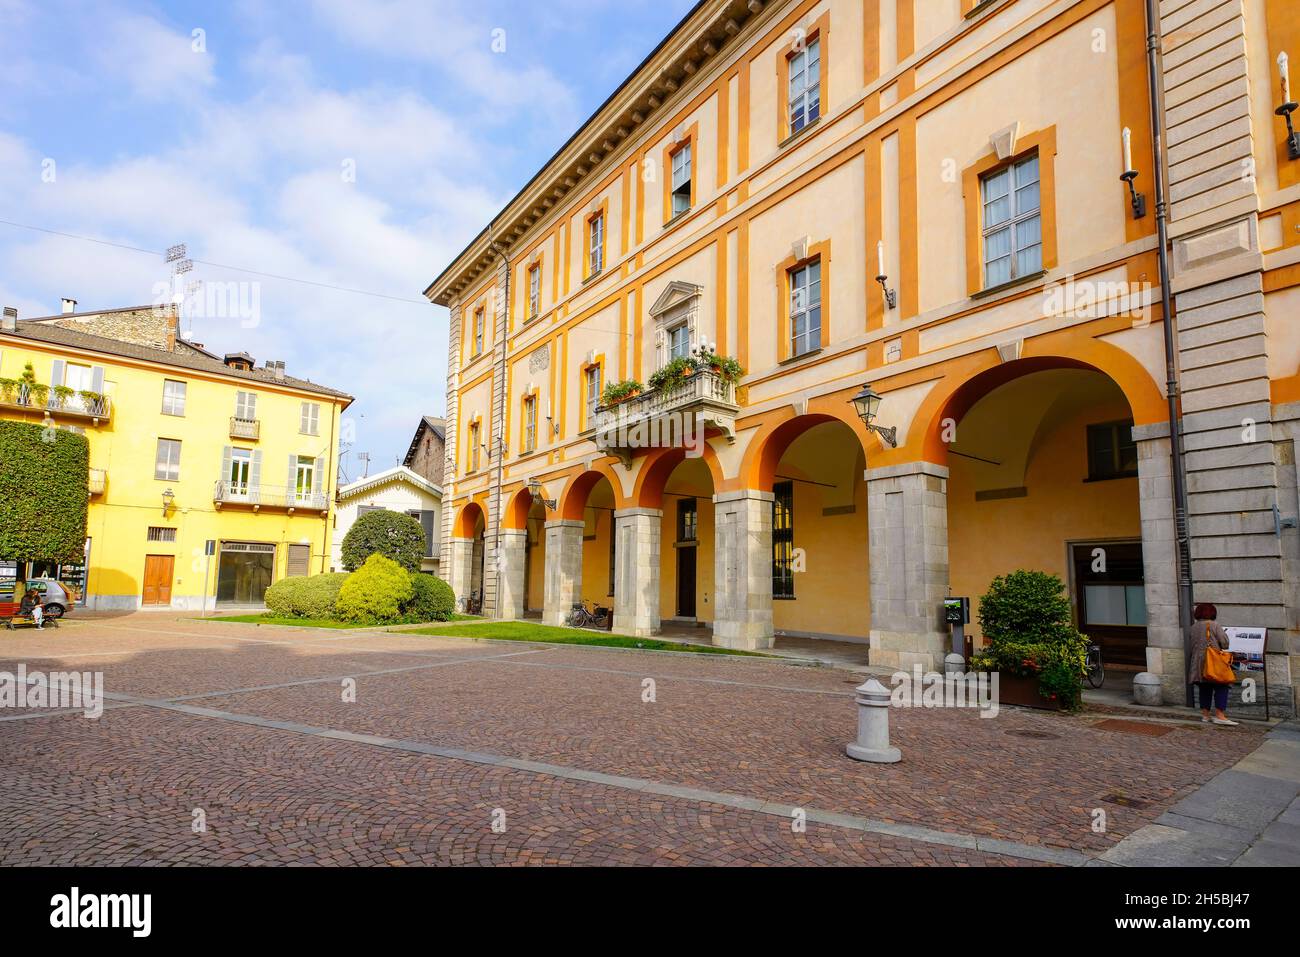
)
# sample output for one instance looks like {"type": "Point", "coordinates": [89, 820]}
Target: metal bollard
{"type": "Point", "coordinates": [873, 726]}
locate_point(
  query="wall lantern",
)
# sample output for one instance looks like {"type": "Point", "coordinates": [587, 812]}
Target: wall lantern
{"type": "Point", "coordinates": [1288, 106]}
{"type": "Point", "coordinates": [536, 491]}
{"type": "Point", "coordinates": [891, 296]}
{"type": "Point", "coordinates": [168, 497]}
{"type": "Point", "coordinates": [1138, 200]}
{"type": "Point", "coordinates": [867, 404]}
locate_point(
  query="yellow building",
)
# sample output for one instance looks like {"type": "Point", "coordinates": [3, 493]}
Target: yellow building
{"type": "Point", "coordinates": [955, 202]}
{"type": "Point", "coordinates": [186, 449]}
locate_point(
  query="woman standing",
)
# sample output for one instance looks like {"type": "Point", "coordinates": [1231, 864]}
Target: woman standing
{"type": "Point", "coordinates": [1207, 632]}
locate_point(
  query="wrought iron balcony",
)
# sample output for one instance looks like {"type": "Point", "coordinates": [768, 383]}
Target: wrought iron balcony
{"type": "Point", "coordinates": [268, 496]}
{"type": "Point", "coordinates": [97, 481]}
{"type": "Point", "coordinates": [703, 399]}
{"type": "Point", "coordinates": [76, 405]}
{"type": "Point", "coordinates": [249, 429]}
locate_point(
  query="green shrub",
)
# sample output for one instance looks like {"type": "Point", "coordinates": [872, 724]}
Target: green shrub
{"type": "Point", "coordinates": [313, 597]}
{"type": "Point", "coordinates": [43, 492]}
{"type": "Point", "coordinates": [1025, 617]}
{"type": "Point", "coordinates": [375, 593]}
{"type": "Point", "coordinates": [391, 534]}
{"type": "Point", "coordinates": [431, 600]}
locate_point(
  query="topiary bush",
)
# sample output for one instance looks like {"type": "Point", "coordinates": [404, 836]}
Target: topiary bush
{"type": "Point", "coordinates": [300, 597]}
{"type": "Point", "coordinates": [431, 600]}
{"type": "Point", "coordinates": [43, 492]}
{"type": "Point", "coordinates": [391, 534]}
{"type": "Point", "coordinates": [1025, 617]}
{"type": "Point", "coordinates": [375, 593]}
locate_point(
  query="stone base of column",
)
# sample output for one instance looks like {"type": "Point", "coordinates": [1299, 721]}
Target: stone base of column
{"type": "Point", "coordinates": [563, 585]}
{"type": "Point", "coordinates": [511, 555]}
{"type": "Point", "coordinates": [743, 570]}
{"type": "Point", "coordinates": [636, 571]}
{"type": "Point", "coordinates": [460, 569]}
{"type": "Point", "coordinates": [907, 521]}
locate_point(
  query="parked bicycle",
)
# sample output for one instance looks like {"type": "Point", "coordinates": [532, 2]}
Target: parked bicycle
{"type": "Point", "coordinates": [471, 604]}
{"type": "Point", "coordinates": [589, 615]}
{"type": "Point", "coordinates": [1094, 671]}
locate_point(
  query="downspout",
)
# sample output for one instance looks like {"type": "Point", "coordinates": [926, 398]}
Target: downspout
{"type": "Point", "coordinates": [501, 443]}
{"type": "Point", "coordinates": [1172, 391]}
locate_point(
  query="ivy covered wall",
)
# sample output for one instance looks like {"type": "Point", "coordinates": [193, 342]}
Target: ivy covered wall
{"type": "Point", "coordinates": [43, 476]}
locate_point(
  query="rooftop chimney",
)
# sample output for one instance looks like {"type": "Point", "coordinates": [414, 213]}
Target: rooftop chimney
{"type": "Point", "coordinates": [10, 321]}
{"type": "Point", "coordinates": [69, 306]}
{"type": "Point", "coordinates": [277, 368]}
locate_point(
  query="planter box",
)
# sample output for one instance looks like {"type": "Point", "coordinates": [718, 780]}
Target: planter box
{"type": "Point", "coordinates": [1013, 689]}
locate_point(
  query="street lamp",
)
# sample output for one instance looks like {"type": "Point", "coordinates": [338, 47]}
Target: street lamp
{"type": "Point", "coordinates": [535, 490]}
{"type": "Point", "coordinates": [168, 497]}
{"type": "Point", "coordinates": [867, 404]}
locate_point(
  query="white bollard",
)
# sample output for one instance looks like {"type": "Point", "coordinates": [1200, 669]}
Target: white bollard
{"type": "Point", "coordinates": [954, 664]}
{"type": "Point", "coordinates": [873, 726]}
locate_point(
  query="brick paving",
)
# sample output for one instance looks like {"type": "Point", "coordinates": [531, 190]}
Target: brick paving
{"type": "Point", "coordinates": [122, 789]}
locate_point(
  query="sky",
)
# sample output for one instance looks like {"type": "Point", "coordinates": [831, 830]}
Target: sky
{"type": "Point", "coordinates": [321, 160]}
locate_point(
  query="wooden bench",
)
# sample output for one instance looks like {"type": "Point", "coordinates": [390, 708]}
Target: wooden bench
{"type": "Point", "coordinates": [12, 618]}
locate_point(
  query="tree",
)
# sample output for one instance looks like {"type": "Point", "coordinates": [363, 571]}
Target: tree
{"type": "Point", "coordinates": [43, 493]}
{"type": "Point", "coordinates": [391, 534]}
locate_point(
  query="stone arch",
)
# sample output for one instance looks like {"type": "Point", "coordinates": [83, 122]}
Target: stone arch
{"type": "Point", "coordinates": [758, 470]}
{"type": "Point", "coordinates": [654, 474]}
{"type": "Point", "coordinates": [574, 497]}
{"type": "Point", "coordinates": [467, 520]}
{"type": "Point", "coordinates": [515, 515]}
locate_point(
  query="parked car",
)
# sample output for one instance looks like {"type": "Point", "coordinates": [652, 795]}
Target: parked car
{"type": "Point", "coordinates": [56, 597]}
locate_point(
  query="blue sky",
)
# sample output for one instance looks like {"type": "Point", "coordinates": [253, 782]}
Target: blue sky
{"type": "Point", "coordinates": [350, 143]}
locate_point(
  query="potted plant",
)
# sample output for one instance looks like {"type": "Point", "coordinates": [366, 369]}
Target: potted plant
{"type": "Point", "coordinates": [1039, 655]}
{"type": "Point", "coordinates": [725, 368]}
{"type": "Point", "coordinates": [674, 372]}
{"type": "Point", "coordinates": [62, 394]}
{"type": "Point", "coordinates": [9, 390]}
{"type": "Point", "coordinates": [91, 400]}
{"type": "Point", "coordinates": [617, 392]}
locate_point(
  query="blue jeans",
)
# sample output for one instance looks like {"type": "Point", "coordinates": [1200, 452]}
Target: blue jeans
{"type": "Point", "coordinates": [1211, 690]}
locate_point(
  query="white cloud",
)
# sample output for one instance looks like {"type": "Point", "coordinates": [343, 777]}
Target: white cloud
{"type": "Point", "coordinates": [157, 62]}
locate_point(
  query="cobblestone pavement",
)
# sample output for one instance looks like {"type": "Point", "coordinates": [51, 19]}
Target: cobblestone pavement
{"type": "Point", "coordinates": [446, 737]}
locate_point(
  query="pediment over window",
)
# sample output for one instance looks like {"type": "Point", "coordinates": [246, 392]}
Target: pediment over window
{"type": "Point", "coordinates": [675, 294]}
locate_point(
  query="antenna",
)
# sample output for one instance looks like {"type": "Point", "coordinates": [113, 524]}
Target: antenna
{"type": "Point", "coordinates": [364, 458]}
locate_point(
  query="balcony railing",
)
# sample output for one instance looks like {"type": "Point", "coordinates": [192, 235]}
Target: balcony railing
{"type": "Point", "coordinates": [268, 496]}
{"type": "Point", "coordinates": [97, 408]}
{"type": "Point", "coordinates": [653, 418]}
{"type": "Point", "coordinates": [245, 428]}
{"type": "Point", "coordinates": [97, 481]}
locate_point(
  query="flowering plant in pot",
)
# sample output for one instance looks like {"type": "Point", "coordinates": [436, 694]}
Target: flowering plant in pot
{"type": "Point", "coordinates": [617, 392]}
{"type": "Point", "coordinates": [674, 372]}
{"type": "Point", "coordinates": [726, 368]}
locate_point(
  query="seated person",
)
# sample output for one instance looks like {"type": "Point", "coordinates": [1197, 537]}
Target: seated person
{"type": "Point", "coordinates": [31, 607]}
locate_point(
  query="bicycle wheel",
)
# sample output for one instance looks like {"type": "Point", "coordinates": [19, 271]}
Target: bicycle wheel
{"type": "Point", "coordinates": [1096, 671]}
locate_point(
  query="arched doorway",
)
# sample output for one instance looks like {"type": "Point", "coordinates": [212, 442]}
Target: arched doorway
{"type": "Point", "coordinates": [579, 549]}
{"type": "Point", "coordinates": [466, 574]}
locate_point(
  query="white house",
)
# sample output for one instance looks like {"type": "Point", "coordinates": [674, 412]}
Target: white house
{"type": "Point", "coordinates": [398, 490]}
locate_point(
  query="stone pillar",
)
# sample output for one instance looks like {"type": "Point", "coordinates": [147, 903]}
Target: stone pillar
{"type": "Point", "coordinates": [907, 521]}
{"type": "Point", "coordinates": [511, 556]}
{"type": "Point", "coordinates": [742, 565]}
{"type": "Point", "coordinates": [563, 586]}
{"type": "Point", "coordinates": [636, 571]}
{"type": "Point", "coordinates": [1165, 658]}
{"type": "Point", "coordinates": [460, 567]}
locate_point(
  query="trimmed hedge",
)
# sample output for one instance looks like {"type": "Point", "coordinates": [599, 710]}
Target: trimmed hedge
{"type": "Point", "coordinates": [375, 593]}
{"type": "Point", "coordinates": [391, 534]}
{"type": "Point", "coordinates": [43, 493]}
{"type": "Point", "coordinates": [432, 600]}
{"type": "Point", "coordinates": [312, 597]}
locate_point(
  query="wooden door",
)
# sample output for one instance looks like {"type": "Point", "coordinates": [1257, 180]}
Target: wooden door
{"type": "Point", "coordinates": [158, 579]}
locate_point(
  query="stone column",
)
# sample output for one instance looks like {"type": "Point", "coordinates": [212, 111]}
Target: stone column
{"type": "Point", "coordinates": [636, 571]}
{"type": "Point", "coordinates": [1165, 657]}
{"type": "Point", "coordinates": [907, 521]}
{"type": "Point", "coordinates": [511, 556]}
{"type": "Point", "coordinates": [563, 585]}
{"type": "Point", "coordinates": [742, 560]}
{"type": "Point", "coordinates": [460, 566]}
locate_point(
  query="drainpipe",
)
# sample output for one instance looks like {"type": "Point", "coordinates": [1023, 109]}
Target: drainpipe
{"type": "Point", "coordinates": [500, 442]}
{"type": "Point", "coordinates": [1179, 473]}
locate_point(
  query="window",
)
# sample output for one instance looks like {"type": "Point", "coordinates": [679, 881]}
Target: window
{"type": "Point", "coordinates": [806, 308]}
{"type": "Point", "coordinates": [679, 342]}
{"type": "Point", "coordinates": [246, 405]}
{"type": "Point", "coordinates": [167, 466]}
{"type": "Point", "coordinates": [805, 85]}
{"type": "Point", "coordinates": [530, 423]}
{"type": "Point", "coordinates": [783, 540]}
{"type": "Point", "coordinates": [241, 463]}
{"type": "Point", "coordinates": [480, 321]}
{"type": "Point", "coordinates": [534, 290]}
{"type": "Point", "coordinates": [474, 447]}
{"type": "Point", "coordinates": [1112, 453]}
{"type": "Point", "coordinates": [309, 418]}
{"type": "Point", "coordinates": [173, 397]}
{"type": "Point", "coordinates": [596, 244]}
{"type": "Point", "coordinates": [592, 379]}
{"type": "Point", "coordinates": [304, 483]}
{"type": "Point", "coordinates": [161, 533]}
{"type": "Point", "coordinates": [1013, 222]}
{"type": "Point", "coordinates": [687, 520]}
{"type": "Point", "coordinates": [681, 182]}
{"type": "Point", "coordinates": [1115, 605]}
